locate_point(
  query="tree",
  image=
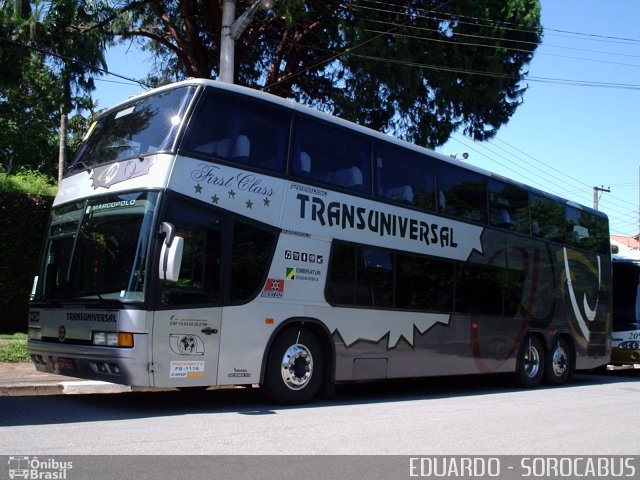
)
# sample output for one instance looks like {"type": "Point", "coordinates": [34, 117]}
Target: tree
{"type": "Point", "coordinates": [28, 119]}
{"type": "Point", "coordinates": [76, 49]}
{"type": "Point", "coordinates": [63, 35]}
{"type": "Point", "coordinates": [28, 92]}
{"type": "Point", "coordinates": [12, 54]}
{"type": "Point", "coordinates": [419, 69]}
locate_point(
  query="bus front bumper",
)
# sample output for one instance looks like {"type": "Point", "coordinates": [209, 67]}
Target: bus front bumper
{"type": "Point", "coordinates": [125, 366]}
{"type": "Point", "coordinates": [624, 357]}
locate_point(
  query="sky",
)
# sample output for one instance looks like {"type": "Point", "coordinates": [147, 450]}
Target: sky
{"type": "Point", "coordinates": [576, 128]}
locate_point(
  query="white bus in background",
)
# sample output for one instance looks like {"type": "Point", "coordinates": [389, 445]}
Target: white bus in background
{"type": "Point", "coordinates": [625, 333]}
{"type": "Point", "coordinates": [209, 234]}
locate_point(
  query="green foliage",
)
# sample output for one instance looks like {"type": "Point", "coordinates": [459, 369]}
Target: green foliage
{"type": "Point", "coordinates": [12, 54]}
{"type": "Point", "coordinates": [69, 32]}
{"type": "Point", "coordinates": [13, 336]}
{"type": "Point", "coordinates": [23, 220]}
{"type": "Point", "coordinates": [418, 69]}
{"type": "Point", "coordinates": [28, 181]}
{"type": "Point", "coordinates": [50, 53]}
{"type": "Point", "coordinates": [28, 117]}
{"type": "Point", "coordinates": [14, 351]}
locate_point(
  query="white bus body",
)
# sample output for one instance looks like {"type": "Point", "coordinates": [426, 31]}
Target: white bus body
{"type": "Point", "coordinates": [183, 256]}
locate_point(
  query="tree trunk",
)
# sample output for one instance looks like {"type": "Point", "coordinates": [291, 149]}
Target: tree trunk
{"type": "Point", "coordinates": [62, 151]}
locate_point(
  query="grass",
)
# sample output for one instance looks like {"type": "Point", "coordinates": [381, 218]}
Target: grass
{"type": "Point", "coordinates": [13, 348]}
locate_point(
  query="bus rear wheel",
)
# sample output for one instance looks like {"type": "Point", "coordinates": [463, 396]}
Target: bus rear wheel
{"type": "Point", "coordinates": [294, 368]}
{"type": "Point", "coordinates": [531, 360]}
{"type": "Point", "coordinates": [559, 363]}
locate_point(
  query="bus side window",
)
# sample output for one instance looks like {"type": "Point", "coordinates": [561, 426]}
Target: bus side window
{"type": "Point", "coordinates": [375, 273]}
{"type": "Point", "coordinates": [424, 284]}
{"type": "Point", "coordinates": [405, 177]}
{"type": "Point", "coordinates": [462, 193]}
{"type": "Point", "coordinates": [201, 268]}
{"type": "Point", "coordinates": [199, 281]}
{"type": "Point", "coordinates": [547, 218]}
{"type": "Point", "coordinates": [508, 207]}
{"type": "Point", "coordinates": [341, 285]}
{"type": "Point", "coordinates": [238, 129]}
{"type": "Point", "coordinates": [478, 289]}
{"type": "Point", "coordinates": [331, 155]}
{"type": "Point", "coordinates": [586, 230]}
{"type": "Point", "coordinates": [250, 257]}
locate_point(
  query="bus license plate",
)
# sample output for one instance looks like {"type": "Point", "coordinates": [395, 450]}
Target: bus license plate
{"type": "Point", "coordinates": [65, 364]}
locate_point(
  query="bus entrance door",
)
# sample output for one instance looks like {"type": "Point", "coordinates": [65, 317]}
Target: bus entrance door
{"type": "Point", "coordinates": [185, 347]}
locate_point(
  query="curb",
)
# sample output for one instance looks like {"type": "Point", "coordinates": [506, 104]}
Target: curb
{"type": "Point", "coordinates": [22, 390]}
{"type": "Point", "coordinates": [88, 386]}
{"type": "Point", "coordinates": [61, 388]}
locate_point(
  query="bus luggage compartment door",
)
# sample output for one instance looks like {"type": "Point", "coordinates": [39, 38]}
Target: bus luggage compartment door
{"type": "Point", "coordinates": [186, 344]}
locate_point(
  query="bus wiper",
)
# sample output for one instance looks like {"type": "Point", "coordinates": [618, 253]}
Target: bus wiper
{"type": "Point", "coordinates": [51, 303]}
{"type": "Point", "coordinates": [75, 166]}
{"type": "Point", "coordinates": [106, 303]}
{"type": "Point", "coordinates": [48, 301]}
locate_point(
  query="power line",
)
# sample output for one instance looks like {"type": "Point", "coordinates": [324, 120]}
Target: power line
{"type": "Point", "coordinates": [550, 80]}
{"type": "Point", "coordinates": [496, 42]}
{"type": "Point", "coordinates": [484, 22]}
{"type": "Point", "coordinates": [88, 66]}
{"type": "Point", "coordinates": [616, 210]}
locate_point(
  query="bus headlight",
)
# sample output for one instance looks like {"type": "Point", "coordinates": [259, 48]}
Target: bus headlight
{"type": "Point", "coordinates": [113, 339]}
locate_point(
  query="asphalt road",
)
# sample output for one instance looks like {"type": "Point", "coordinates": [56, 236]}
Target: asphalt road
{"type": "Point", "coordinates": [594, 414]}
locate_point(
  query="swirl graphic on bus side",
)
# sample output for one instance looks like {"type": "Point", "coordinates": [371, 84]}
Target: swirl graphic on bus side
{"type": "Point", "coordinates": [573, 279]}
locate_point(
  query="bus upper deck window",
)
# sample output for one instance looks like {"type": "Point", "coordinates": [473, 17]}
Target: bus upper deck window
{"type": "Point", "coordinates": [240, 130]}
{"type": "Point", "coordinates": [331, 155]}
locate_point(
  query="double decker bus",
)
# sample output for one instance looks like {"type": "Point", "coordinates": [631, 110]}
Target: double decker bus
{"type": "Point", "coordinates": [625, 333]}
{"type": "Point", "coordinates": [209, 234]}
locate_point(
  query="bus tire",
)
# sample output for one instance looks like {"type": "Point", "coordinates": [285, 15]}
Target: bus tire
{"type": "Point", "coordinates": [294, 367]}
{"type": "Point", "coordinates": [530, 364]}
{"type": "Point", "coordinates": [559, 363]}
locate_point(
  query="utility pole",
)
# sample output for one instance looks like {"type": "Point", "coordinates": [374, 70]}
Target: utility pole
{"type": "Point", "coordinates": [231, 31]}
{"type": "Point", "coordinates": [227, 44]}
{"type": "Point", "coordinates": [596, 196]}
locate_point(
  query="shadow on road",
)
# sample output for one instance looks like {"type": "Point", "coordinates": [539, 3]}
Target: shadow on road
{"type": "Point", "coordinates": [59, 409]}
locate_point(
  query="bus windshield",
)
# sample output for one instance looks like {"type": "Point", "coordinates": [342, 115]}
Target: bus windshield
{"type": "Point", "coordinates": [97, 249]}
{"type": "Point", "coordinates": [145, 126]}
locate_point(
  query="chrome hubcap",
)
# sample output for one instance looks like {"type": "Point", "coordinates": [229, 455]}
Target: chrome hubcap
{"type": "Point", "coordinates": [297, 367]}
{"type": "Point", "coordinates": [531, 361]}
{"type": "Point", "coordinates": [559, 361]}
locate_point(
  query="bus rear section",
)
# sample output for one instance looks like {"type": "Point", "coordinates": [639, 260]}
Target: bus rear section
{"type": "Point", "coordinates": [625, 335]}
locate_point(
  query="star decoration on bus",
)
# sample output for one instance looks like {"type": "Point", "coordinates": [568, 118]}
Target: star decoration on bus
{"type": "Point", "coordinates": [230, 188]}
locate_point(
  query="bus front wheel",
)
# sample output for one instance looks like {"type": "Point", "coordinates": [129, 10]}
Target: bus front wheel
{"type": "Point", "coordinates": [531, 359]}
{"type": "Point", "coordinates": [294, 367]}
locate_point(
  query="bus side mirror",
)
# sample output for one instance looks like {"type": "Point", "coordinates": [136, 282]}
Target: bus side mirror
{"type": "Point", "coordinates": [170, 254]}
